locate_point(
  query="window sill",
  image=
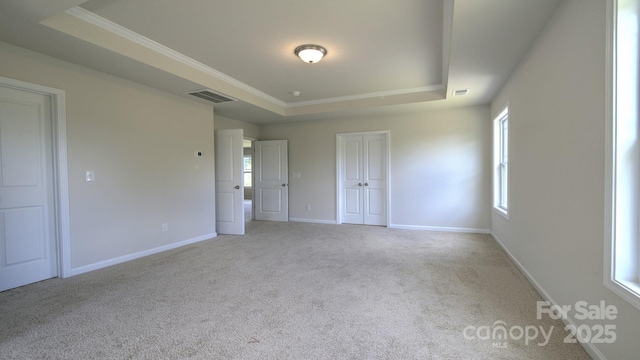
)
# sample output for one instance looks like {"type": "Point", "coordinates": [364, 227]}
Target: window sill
{"type": "Point", "coordinates": [628, 290]}
{"type": "Point", "coordinates": [501, 212]}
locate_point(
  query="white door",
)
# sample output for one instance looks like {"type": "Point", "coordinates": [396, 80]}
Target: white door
{"type": "Point", "coordinates": [271, 185]}
{"type": "Point", "coordinates": [229, 182]}
{"type": "Point", "coordinates": [363, 179]}
{"type": "Point", "coordinates": [352, 180]}
{"type": "Point", "coordinates": [27, 220]}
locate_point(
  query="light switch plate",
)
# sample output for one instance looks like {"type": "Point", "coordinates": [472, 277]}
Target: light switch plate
{"type": "Point", "coordinates": [90, 175]}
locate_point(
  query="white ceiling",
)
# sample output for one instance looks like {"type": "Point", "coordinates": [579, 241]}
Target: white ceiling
{"type": "Point", "coordinates": [401, 55]}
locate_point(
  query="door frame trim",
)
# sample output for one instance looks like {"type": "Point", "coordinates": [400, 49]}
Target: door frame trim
{"type": "Point", "coordinates": [61, 168]}
{"type": "Point", "coordinates": [339, 198]}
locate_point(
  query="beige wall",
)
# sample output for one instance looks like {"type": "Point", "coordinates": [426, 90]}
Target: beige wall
{"type": "Point", "coordinates": [439, 166]}
{"type": "Point", "coordinates": [557, 137]}
{"type": "Point", "coordinates": [140, 142]}
{"type": "Point", "coordinates": [248, 130]}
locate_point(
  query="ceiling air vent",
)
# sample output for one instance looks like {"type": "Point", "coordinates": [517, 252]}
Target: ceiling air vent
{"type": "Point", "coordinates": [211, 96]}
{"type": "Point", "coordinates": [460, 92]}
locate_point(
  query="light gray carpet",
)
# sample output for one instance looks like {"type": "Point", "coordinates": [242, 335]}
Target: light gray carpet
{"type": "Point", "coordinates": [247, 210]}
{"type": "Point", "coordinates": [286, 291]}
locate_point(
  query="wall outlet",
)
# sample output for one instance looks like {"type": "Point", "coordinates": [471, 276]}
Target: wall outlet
{"type": "Point", "coordinates": [165, 227]}
{"type": "Point", "coordinates": [308, 207]}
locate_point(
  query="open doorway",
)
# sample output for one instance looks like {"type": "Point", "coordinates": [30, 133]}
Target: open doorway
{"type": "Point", "coordinates": [247, 145]}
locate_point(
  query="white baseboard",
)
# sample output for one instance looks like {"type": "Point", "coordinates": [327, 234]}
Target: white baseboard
{"type": "Point", "coordinates": [315, 221]}
{"type": "Point", "coordinates": [125, 258]}
{"type": "Point", "coordinates": [440, 228]}
{"type": "Point", "coordinates": [590, 348]}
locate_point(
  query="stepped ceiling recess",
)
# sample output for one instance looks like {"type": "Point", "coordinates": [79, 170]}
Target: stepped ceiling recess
{"type": "Point", "coordinates": [382, 56]}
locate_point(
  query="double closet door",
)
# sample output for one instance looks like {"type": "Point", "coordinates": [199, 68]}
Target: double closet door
{"type": "Point", "coordinates": [363, 178]}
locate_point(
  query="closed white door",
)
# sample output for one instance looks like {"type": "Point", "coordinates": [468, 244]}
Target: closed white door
{"type": "Point", "coordinates": [375, 180]}
{"type": "Point", "coordinates": [363, 179]}
{"type": "Point", "coordinates": [229, 182]}
{"type": "Point", "coordinates": [271, 186]}
{"type": "Point", "coordinates": [352, 180]}
{"type": "Point", "coordinates": [27, 220]}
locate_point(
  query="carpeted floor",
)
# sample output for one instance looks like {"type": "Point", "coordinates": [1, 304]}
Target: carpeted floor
{"type": "Point", "coordinates": [247, 210]}
{"type": "Point", "coordinates": [289, 291]}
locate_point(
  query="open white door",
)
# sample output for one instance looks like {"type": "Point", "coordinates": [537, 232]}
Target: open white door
{"type": "Point", "coordinates": [229, 182]}
{"type": "Point", "coordinates": [271, 185]}
{"type": "Point", "coordinates": [27, 220]}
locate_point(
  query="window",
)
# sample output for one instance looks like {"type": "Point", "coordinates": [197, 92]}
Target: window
{"type": "Point", "coordinates": [622, 222]}
{"type": "Point", "coordinates": [247, 171]}
{"type": "Point", "coordinates": [501, 163]}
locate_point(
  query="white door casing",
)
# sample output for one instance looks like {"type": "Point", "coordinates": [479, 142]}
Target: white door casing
{"type": "Point", "coordinates": [28, 248]}
{"type": "Point", "coordinates": [271, 185]}
{"type": "Point", "coordinates": [229, 182]}
{"type": "Point", "coordinates": [362, 178]}
{"type": "Point", "coordinates": [61, 173]}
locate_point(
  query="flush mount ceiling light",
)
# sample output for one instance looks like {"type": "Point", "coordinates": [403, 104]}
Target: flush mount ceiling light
{"type": "Point", "coordinates": [310, 53]}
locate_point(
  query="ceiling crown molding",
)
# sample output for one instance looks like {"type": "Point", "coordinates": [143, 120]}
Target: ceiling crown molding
{"type": "Point", "coordinates": [81, 23]}
{"type": "Point", "coordinates": [379, 94]}
{"type": "Point", "coordinates": [123, 32]}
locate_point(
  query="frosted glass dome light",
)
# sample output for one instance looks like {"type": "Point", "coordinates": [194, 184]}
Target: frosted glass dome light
{"type": "Point", "coordinates": [310, 54]}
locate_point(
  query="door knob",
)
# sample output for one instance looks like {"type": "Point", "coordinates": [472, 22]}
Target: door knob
{"type": "Point", "coordinates": [284, 184]}
{"type": "Point", "coordinates": [237, 187]}
{"type": "Point", "coordinates": [359, 184]}
{"type": "Point", "coordinates": [366, 184]}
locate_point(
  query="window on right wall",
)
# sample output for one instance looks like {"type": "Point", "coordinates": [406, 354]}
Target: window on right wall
{"type": "Point", "coordinates": [622, 181]}
{"type": "Point", "coordinates": [501, 163]}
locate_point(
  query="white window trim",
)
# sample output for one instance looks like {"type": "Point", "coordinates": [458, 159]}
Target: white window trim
{"type": "Point", "coordinates": [627, 286]}
{"type": "Point", "coordinates": [497, 144]}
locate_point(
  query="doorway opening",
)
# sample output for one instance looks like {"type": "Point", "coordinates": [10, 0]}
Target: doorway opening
{"type": "Point", "coordinates": [247, 148]}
